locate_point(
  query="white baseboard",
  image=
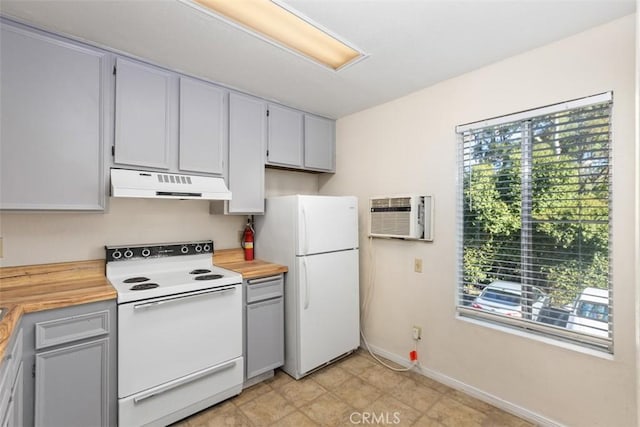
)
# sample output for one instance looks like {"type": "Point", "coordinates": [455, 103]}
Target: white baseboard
{"type": "Point", "coordinates": [466, 388]}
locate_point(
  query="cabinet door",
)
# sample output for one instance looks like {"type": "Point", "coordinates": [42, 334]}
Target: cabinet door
{"type": "Point", "coordinates": [319, 143]}
{"type": "Point", "coordinates": [51, 130]}
{"type": "Point", "coordinates": [247, 133]}
{"type": "Point", "coordinates": [72, 385]}
{"type": "Point", "coordinates": [285, 136]}
{"type": "Point", "coordinates": [16, 399]}
{"type": "Point", "coordinates": [265, 336]}
{"type": "Point", "coordinates": [7, 419]}
{"type": "Point", "coordinates": [142, 115]}
{"type": "Point", "coordinates": [202, 127]}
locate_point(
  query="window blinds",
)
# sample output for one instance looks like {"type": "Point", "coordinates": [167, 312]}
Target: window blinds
{"type": "Point", "coordinates": [534, 220]}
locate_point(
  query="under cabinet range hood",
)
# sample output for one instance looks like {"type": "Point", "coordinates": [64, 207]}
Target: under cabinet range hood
{"type": "Point", "coordinates": [161, 185]}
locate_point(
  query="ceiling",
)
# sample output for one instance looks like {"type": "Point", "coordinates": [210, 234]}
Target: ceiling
{"type": "Point", "coordinates": [411, 44]}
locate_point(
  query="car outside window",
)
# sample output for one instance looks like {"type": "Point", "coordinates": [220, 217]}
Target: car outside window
{"type": "Point", "coordinates": [591, 310]}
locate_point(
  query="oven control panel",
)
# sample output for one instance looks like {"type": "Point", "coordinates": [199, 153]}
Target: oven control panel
{"type": "Point", "coordinates": [122, 253]}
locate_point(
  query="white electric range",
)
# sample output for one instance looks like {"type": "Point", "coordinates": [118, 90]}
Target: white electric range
{"type": "Point", "coordinates": [179, 330]}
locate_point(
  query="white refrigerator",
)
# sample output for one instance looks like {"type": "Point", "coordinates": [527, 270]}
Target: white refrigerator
{"type": "Point", "coordinates": [316, 237]}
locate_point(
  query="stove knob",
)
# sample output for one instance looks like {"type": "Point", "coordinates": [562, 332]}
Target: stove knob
{"type": "Point", "coordinates": [198, 248]}
{"type": "Point", "coordinates": [206, 248]}
{"type": "Point", "coordinates": [116, 254]}
{"type": "Point", "coordinates": [128, 253]}
{"type": "Point", "coordinates": [184, 249]}
{"type": "Point", "coordinates": [146, 252]}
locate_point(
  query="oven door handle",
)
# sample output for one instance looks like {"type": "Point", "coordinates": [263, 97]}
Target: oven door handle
{"type": "Point", "coordinates": [182, 298]}
{"type": "Point", "coordinates": [183, 381]}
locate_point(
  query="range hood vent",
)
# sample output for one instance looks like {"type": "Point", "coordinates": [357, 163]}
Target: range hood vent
{"type": "Point", "coordinates": [160, 185]}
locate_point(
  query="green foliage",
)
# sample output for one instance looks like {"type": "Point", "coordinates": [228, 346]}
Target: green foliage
{"type": "Point", "coordinates": [560, 241]}
{"type": "Point", "coordinates": [571, 276]}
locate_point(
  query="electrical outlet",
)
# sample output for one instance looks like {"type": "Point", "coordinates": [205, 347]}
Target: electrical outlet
{"type": "Point", "coordinates": [417, 332]}
{"type": "Point", "coordinates": [417, 265]}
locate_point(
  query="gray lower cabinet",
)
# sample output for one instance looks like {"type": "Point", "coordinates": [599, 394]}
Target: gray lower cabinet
{"type": "Point", "coordinates": [72, 385]}
{"type": "Point", "coordinates": [264, 325]}
{"type": "Point", "coordinates": [285, 135]}
{"type": "Point", "coordinates": [53, 122]}
{"type": "Point", "coordinates": [11, 380]}
{"type": "Point", "coordinates": [319, 143]}
{"type": "Point", "coordinates": [143, 124]}
{"type": "Point", "coordinates": [202, 127]}
{"type": "Point", "coordinates": [247, 131]}
{"type": "Point", "coordinates": [71, 355]}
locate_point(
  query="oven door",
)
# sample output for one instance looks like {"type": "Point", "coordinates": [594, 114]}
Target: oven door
{"type": "Point", "coordinates": [163, 339]}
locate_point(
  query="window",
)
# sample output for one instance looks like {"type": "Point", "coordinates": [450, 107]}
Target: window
{"type": "Point", "coordinates": [534, 220]}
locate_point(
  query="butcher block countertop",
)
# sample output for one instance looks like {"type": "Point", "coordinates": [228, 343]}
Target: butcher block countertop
{"type": "Point", "coordinates": [233, 259]}
{"type": "Point", "coordinates": [31, 288]}
{"type": "Point", "coordinates": [27, 289]}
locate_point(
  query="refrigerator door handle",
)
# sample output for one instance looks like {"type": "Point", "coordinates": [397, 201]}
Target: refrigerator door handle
{"type": "Point", "coordinates": [306, 284]}
{"type": "Point", "coordinates": [306, 235]}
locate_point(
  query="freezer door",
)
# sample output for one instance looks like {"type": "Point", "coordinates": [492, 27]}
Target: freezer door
{"type": "Point", "coordinates": [328, 307]}
{"type": "Point", "coordinates": [327, 224]}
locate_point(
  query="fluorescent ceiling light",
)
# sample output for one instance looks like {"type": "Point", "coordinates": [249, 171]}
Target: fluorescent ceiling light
{"type": "Point", "coordinates": [279, 25]}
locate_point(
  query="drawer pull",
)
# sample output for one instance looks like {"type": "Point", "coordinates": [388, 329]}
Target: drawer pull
{"type": "Point", "coordinates": [179, 383]}
{"type": "Point", "coordinates": [263, 280]}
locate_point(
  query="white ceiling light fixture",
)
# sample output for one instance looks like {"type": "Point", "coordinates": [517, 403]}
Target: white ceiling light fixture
{"type": "Point", "coordinates": [279, 25]}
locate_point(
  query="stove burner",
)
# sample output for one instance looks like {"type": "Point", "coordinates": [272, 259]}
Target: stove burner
{"type": "Point", "coordinates": [209, 277]}
{"type": "Point", "coordinates": [136, 279]}
{"type": "Point", "coordinates": [144, 286]}
{"type": "Point", "coordinates": [200, 271]}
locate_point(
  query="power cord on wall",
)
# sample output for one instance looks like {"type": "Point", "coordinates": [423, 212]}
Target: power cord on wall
{"type": "Point", "coordinates": [365, 311]}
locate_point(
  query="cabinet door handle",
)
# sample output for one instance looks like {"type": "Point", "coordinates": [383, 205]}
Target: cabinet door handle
{"type": "Point", "coordinates": [253, 306]}
{"type": "Point", "coordinates": [151, 304]}
{"type": "Point", "coordinates": [168, 387]}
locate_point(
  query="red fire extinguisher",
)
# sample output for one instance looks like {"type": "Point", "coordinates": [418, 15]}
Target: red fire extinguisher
{"type": "Point", "coordinates": [247, 241]}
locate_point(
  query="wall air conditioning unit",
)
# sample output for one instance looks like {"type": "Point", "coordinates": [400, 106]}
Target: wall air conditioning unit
{"type": "Point", "coordinates": [401, 217]}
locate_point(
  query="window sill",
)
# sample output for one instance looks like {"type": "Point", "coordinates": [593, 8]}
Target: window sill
{"type": "Point", "coordinates": [601, 354]}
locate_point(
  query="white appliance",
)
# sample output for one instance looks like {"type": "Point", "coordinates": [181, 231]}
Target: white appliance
{"type": "Point", "coordinates": [162, 185]}
{"type": "Point", "coordinates": [316, 237]}
{"type": "Point", "coordinates": [401, 216]}
{"type": "Point", "coordinates": [179, 331]}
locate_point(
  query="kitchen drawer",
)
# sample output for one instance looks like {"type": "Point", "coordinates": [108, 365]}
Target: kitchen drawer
{"type": "Point", "coordinates": [264, 288]}
{"type": "Point", "coordinates": [173, 400]}
{"type": "Point", "coordinates": [73, 328]}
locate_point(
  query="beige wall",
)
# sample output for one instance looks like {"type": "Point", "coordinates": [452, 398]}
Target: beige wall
{"type": "Point", "coordinates": [409, 145]}
{"type": "Point", "coordinates": [637, 261]}
{"type": "Point", "coordinates": [36, 238]}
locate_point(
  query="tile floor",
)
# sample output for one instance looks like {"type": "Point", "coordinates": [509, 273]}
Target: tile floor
{"type": "Point", "coordinates": [354, 391]}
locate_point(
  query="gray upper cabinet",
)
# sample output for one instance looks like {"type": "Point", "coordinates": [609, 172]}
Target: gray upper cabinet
{"type": "Point", "coordinates": [319, 143]}
{"type": "Point", "coordinates": [247, 131]}
{"type": "Point", "coordinates": [284, 141]}
{"type": "Point", "coordinates": [52, 123]}
{"type": "Point", "coordinates": [202, 127]}
{"type": "Point", "coordinates": [143, 115]}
